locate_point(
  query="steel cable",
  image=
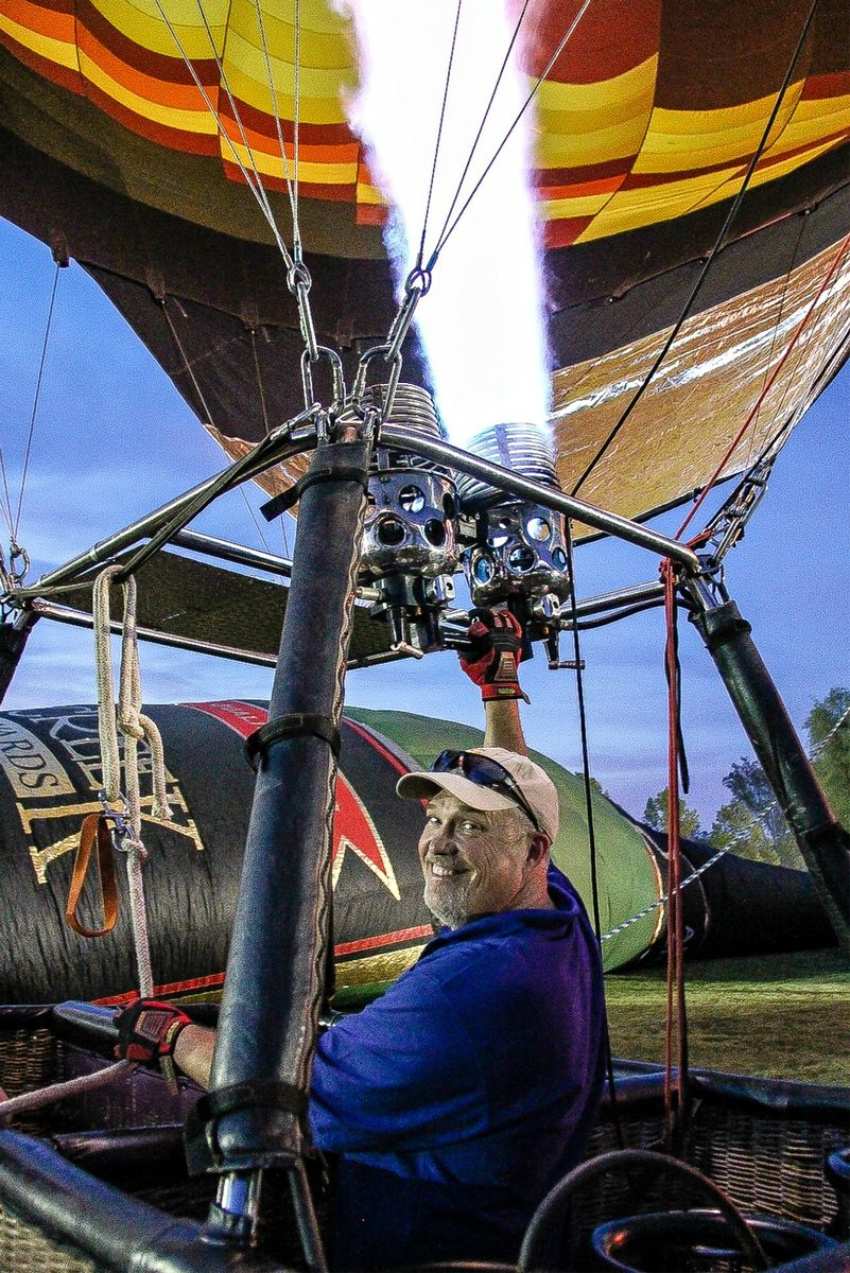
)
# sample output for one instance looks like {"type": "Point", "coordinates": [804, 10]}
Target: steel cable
{"type": "Point", "coordinates": [709, 261]}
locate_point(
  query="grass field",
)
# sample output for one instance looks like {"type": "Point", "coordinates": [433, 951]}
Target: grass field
{"type": "Point", "coordinates": [778, 1016]}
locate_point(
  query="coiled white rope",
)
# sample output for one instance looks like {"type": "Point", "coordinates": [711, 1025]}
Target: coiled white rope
{"type": "Point", "coordinates": [135, 728]}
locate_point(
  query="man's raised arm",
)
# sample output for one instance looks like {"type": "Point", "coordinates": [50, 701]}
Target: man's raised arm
{"type": "Point", "coordinates": [492, 663]}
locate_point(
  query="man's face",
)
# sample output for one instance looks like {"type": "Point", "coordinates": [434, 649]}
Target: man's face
{"type": "Point", "coordinates": [473, 862]}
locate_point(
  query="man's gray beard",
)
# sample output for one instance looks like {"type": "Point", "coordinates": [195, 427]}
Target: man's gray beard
{"type": "Point", "coordinates": [449, 905]}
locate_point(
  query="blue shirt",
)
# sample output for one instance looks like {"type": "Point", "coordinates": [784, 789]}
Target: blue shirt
{"type": "Point", "coordinates": [458, 1098]}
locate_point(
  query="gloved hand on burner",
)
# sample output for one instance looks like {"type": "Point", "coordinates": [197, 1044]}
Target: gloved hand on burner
{"type": "Point", "coordinates": [492, 659]}
{"type": "Point", "coordinates": [148, 1030]}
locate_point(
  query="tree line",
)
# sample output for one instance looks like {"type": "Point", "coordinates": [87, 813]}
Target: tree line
{"type": "Point", "coordinates": [751, 823]}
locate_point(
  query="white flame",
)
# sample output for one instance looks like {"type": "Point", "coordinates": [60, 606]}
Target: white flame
{"type": "Point", "coordinates": [481, 323]}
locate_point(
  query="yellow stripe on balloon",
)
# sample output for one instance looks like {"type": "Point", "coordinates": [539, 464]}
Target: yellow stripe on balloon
{"type": "Point", "coordinates": [246, 76]}
{"type": "Point", "coordinates": [678, 140]}
{"type": "Point", "coordinates": [188, 121]}
{"type": "Point", "coordinates": [369, 195]}
{"type": "Point", "coordinates": [577, 206]}
{"type": "Point", "coordinates": [320, 49]}
{"type": "Point", "coordinates": [142, 22]}
{"type": "Point", "coordinates": [585, 149]}
{"type": "Point", "coordinates": [60, 52]}
{"type": "Point", "coordinates": [635, 85]}
{"type": "Point", "coordinates": [269, 164]}
{"type": "Point", "coordinates": [632, 209]}
{"type": "Point", "coordinates": [773, 171]}
{"type": "Point", "coordinates": [817, 120]}
{"type": "Point", "coordinates": [585, 124]}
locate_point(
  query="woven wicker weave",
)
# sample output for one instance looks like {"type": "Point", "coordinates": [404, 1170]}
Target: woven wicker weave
{"type": "Point", "coordinates": [768, 1161]}
{"type": "Point", "coordinates": [26, 1249]}
{"type": "Point", "coordinates": [29, 1059]}
{"type": "Point", "coordinates": [768, 1164]}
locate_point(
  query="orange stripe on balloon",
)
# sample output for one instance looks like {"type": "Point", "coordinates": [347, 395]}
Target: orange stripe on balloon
{"type": "Point", "coordinates": [268, 144]}
{"type": "Point", "coordinates": [183, 97]}
{"type": "Point", "coordinates": [372, 214]}
{"type": "Point", "coordinates": [262, 122]}
{"type": "Point", "coordinates": [162, 66]}
{"type": "Point", "coordinates": [591, 54]}
{"type": "Point", "coordinates": [830, 84]}
{"type": "Point", "coordinates": [607, 185]}
{"type": "Point", "coordinates": [56, 24]}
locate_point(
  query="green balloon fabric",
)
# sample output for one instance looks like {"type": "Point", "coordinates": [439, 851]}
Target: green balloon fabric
{"type": "Point", "coordinates": [628, 880]}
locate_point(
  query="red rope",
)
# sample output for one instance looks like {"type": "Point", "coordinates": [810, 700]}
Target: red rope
{"type": "Point", "coordinates": [792, 344]}
{"type": "Point", "coordinates": [676, 1019]}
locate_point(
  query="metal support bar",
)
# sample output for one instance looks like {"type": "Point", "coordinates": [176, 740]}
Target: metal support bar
{"type": "Point", "coordinates": [276, 967]}
{"type": "Point", "coordinates": [109, 1227]}
{"type": "Point", "coordinates": [238, 554]}
{"type": "Point", "coordinates": [823, 842]}
{"type": "Point", "coordinates": [152, 522]}
{"type": "Point", "coordinates": [514, 484]}
{"type": "Point", "coordinates": [618, 600]}
{"type": "Point", "coordinates": [82, 619]}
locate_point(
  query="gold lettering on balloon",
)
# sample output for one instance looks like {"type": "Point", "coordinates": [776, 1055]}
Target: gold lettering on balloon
{"type": "Point", "coordinates": [38, 777]}
{"type": "Point", "coordinates": [31, 769]}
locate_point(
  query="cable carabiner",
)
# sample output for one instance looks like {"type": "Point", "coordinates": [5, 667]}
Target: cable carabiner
{"type": "Point", "coordinates": [337, 372]}
{"type": "Point", "coordinates": [299, 282]}
{"type": "Point", "coordinates": [394, 361]}
{"type": "Point", "coordinates": [417, 285]}
{"type": "Point", "coordinates": [118, 817]}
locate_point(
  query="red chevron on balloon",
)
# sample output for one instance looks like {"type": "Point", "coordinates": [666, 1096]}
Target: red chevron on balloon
{"type": "Point", "coordinates": [353, 828]}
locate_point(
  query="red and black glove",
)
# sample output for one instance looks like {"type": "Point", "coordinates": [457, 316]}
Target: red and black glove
{"type": "Point", "coordinates": [148, 1030]}
{"type": "Point", "coordinates": [494, 654]}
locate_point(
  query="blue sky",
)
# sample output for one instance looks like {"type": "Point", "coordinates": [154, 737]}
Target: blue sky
{"type": "Point", "coordinates": [113, 439]}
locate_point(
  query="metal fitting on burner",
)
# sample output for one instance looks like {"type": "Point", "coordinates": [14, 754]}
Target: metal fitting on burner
{"type": "Point", "coordinates": [410, 549]}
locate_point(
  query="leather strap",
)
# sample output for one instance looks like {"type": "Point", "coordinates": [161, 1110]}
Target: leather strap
{"type": "Point", "coordinates": [722, 635]}
{"type": "Point", "coordinates": [203, 1152]}
{"type": "Point", "coordinates": [288, 499]}
{"type": "Point", "coordinates": [294, 725]}
{"type": "Point", "coordinates": [258, 1094]}
{"type": "Point", "coordinates": [95, 827]}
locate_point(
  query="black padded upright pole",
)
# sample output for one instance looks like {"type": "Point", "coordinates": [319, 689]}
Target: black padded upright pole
{"type": "Point", "coordinates": [824, 843]}
{"type": "Point", "coordinates": [13, 640]}
{"type": "Point", "coordinates": [276, 966]}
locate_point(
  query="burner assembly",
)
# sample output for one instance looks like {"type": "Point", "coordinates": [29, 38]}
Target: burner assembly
{"type": "Point", "coordinates": [519, 554]}
{"type": "Point", "coordinates": [424, 522]}
{"type": "Point", "coordinates": [410, 546]}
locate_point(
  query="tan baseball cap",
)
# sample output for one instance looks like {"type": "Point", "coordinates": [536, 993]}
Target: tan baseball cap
{"type": "Point", "coordinates": [538, 789]}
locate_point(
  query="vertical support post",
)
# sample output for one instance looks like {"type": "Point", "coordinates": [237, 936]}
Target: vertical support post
{"type": "Point", "coordinates": [276, 967]}
{"type": "Point", "coordinates": [824, 843]}
{"type": "Point", "coordinates": [14, 635]}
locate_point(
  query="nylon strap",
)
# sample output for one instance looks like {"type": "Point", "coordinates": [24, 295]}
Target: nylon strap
{"type": "Point", "coordinates": [203, 1152]}
{"type": "Point", "coordinates": [287, 499]}
{"type": "Point", "coordinates": [258, 1095]}
{"type": "Point", "coordinates": [95, 827]}
{"type": "Point", "coordinates": [295, 725]}
{"type": "Point", "coordinates": [728, 632]}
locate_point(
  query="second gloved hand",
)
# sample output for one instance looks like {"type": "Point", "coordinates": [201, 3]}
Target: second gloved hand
{"type": "Point", "coordinates": [148, 1030]}
{"type": "Point", "coordinates": [493, 657]}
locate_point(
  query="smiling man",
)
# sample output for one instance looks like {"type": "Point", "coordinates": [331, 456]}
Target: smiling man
{"type": "Point", "coordinates": [457, 1099]}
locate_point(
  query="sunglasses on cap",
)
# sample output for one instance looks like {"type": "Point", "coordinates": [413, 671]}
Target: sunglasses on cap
{"type": "Point", "coordinates": [484, 772]}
